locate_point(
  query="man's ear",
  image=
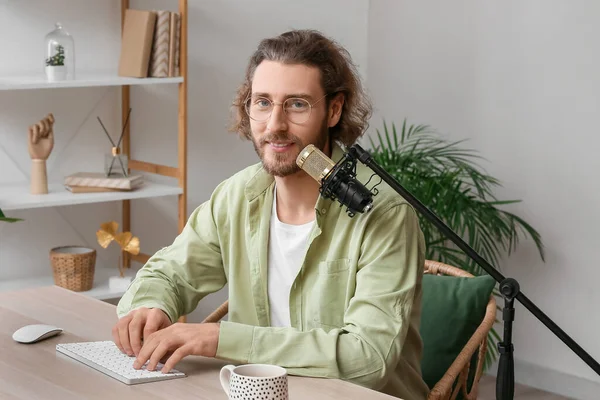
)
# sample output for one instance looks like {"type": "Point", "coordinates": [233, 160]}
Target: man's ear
{"type": "Point", "coordinates": [335, 110]}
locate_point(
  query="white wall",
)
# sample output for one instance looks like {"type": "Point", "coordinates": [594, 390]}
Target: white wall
{"type": "Point", "coordinates": [222, 36]}
{"type": "Point", "coordinates": [520, 80]}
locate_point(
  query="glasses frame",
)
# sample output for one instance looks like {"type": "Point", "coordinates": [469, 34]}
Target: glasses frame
{"type": "Point", "coordinates": [276, 103]}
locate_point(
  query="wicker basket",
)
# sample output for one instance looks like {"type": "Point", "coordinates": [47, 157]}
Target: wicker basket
{"type": "Point", "coordinates": [73, 267]}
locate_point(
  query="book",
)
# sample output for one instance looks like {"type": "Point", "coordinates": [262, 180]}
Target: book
{"type": "Point", "coordinates": [159, 60]}
{"type": "Point", "coordinates": [177, 43]}
{"type": "Point", "coordinates": [136, 43]}
{"type": "Point", "coordinates": [98, 179]}
{"type": "Point", "coordinates": [172, 41]}
{"type": "Point", "coordinates": [92, 189]}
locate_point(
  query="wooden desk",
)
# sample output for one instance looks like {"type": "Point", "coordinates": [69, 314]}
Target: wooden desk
{"type": "Point", "coordinates": [37, 371]}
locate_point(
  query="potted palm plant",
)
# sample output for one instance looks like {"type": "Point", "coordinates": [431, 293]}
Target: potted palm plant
{"type": "Point", "coordinates": [446, 178]}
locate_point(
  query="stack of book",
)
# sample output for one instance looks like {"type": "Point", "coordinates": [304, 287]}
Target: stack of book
{"type": "Point", "coordinates": [91, 182]}
{"type": "Point", "coordinates": [150, 44]}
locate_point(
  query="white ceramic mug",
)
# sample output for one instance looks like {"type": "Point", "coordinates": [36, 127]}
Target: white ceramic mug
{"type": "Point", "coordinates": [255, 381]}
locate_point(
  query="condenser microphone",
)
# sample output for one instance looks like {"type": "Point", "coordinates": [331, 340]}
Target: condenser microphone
{"type": "Point", "coordinates": [337, 181]}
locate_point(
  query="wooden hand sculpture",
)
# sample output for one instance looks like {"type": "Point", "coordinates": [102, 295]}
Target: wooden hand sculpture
{"type": "Point", "coordinates": [41, 143]}
{"type": "Point", "coordinates": [41, 138]}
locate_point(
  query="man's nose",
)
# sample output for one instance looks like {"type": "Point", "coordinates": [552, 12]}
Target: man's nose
{"type": "Point", "coordinates": [278, 120]}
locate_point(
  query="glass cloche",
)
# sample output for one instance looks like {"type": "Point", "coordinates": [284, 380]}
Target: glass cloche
{"type": "Point", "coordinates": [60, 52]}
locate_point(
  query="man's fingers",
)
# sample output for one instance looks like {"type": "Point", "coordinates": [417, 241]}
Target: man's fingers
{"type": "Point", "coordinates": [135, 333]}
{"type": "Point", "coordinates": [175, 358]}
{"type": "Point", "coordinates": [123, 322]}
{"type": "Point", "coordinates": [157, 355]}
{"type": "Point", "coordinates": [124, 338]}
{"type": "Point", "coordinates": [146, 351]}
{"type": "Point", "coordinates": [116, 338]}
{"type": "Point", "coordinates": [166, 357]}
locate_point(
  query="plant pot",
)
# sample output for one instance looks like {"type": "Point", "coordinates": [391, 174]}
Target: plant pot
{"type": "Point", "coordinates": [73, 267]}
{"type": "Point", "coordinates": [56, 73]}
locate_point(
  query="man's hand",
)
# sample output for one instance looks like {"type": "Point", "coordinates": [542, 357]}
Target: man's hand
{"type": "Point", "coordinates": [136, 326]}
{"type": "Point", "coordinates": [176, 342]}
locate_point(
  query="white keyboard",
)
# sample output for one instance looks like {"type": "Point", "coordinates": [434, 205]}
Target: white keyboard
{"type": "Point", "coordinates": [106, 357]}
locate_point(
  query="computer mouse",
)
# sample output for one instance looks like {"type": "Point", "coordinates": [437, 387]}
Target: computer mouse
{"type": "Point", "coordinates": [34, 333]}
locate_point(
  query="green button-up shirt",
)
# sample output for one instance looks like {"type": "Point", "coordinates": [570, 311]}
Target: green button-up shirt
{"type": "Point", "coordinates": [354, 306]}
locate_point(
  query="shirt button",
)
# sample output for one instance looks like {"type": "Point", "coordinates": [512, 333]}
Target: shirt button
{"type": "Point", "coordinates": [323, 210]}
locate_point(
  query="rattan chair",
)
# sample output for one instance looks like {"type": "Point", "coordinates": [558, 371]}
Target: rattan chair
{"type": "Point", "coordinates": [458, 372]}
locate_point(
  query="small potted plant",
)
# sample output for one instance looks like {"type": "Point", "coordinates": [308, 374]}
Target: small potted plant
{"type": "Point", "coordinates": [55, 65]}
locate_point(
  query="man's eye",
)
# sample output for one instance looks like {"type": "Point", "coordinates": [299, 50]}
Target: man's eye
{"type": "Point", "coordinates": [298, 105]}
{"type": "Point", "coordinates": [262, 103]}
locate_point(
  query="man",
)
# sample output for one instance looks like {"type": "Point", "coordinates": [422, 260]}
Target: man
{"type": "Point", "coordinates": [310, 289]}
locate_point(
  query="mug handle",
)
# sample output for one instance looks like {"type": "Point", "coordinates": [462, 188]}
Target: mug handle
{"type": "Point", "coordinates": [225, 376]}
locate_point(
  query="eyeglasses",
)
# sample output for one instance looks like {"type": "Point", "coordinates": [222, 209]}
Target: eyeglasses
{"type": "Point", "coordinates": [297, 110]}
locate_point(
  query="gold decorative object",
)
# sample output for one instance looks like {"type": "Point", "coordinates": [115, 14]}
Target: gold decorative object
{"type": "Point", "coordinates": [126, 240]}
{"type": "Point", "coordinates": [41, 143]}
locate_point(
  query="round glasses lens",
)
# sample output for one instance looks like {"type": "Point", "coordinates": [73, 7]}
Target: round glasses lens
{"type": "Point", "coordinates": [297, 110]}
{"type": "Point", "coordinates": [259, 108]}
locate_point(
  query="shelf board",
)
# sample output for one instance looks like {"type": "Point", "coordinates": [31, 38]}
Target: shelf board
{"type": "Point", "coordinates": [17, 196]}
{"type": "Point", "coordinates": [100, 289]}
{"type": "Point", "coordinates": [38, 81]}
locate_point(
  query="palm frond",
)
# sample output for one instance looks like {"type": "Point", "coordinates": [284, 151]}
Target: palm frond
{"type": "Point", "coordinates": [446, 177]}
{"type": "Point", "coordinates": [4, 218]}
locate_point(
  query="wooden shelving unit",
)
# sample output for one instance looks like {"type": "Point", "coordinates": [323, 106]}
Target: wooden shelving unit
{"type": "Point", "coordinates": [100, 291]}
{"type": "Point", "coordinates": [17, 197]}
{"type": "Point", "coordinates": [38, 81]}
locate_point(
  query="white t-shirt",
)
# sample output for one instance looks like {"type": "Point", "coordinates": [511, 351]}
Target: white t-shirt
{"type": "Point", "coordinates": [287, 247]}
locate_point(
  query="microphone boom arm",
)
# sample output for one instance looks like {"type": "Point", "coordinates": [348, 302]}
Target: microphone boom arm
{"type": "Point", "coordinates": [509, 288]}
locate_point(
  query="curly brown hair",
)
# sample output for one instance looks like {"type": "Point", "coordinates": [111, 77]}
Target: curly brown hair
{"type": "Point", "coordinates": [338, 75]}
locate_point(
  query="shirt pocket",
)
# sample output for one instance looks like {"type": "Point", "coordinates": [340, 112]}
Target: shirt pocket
{"type": "Point", "coordinates": [329, 294]}
{"type": "Point", "coordinates": [334, 267]}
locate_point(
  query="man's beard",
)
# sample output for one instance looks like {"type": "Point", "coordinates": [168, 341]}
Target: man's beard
{"type": "Point", "coordinates": [281, 164]}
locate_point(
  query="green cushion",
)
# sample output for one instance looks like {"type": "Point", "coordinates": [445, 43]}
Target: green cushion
{"type": "Point", "coordinates": [453, 308]}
